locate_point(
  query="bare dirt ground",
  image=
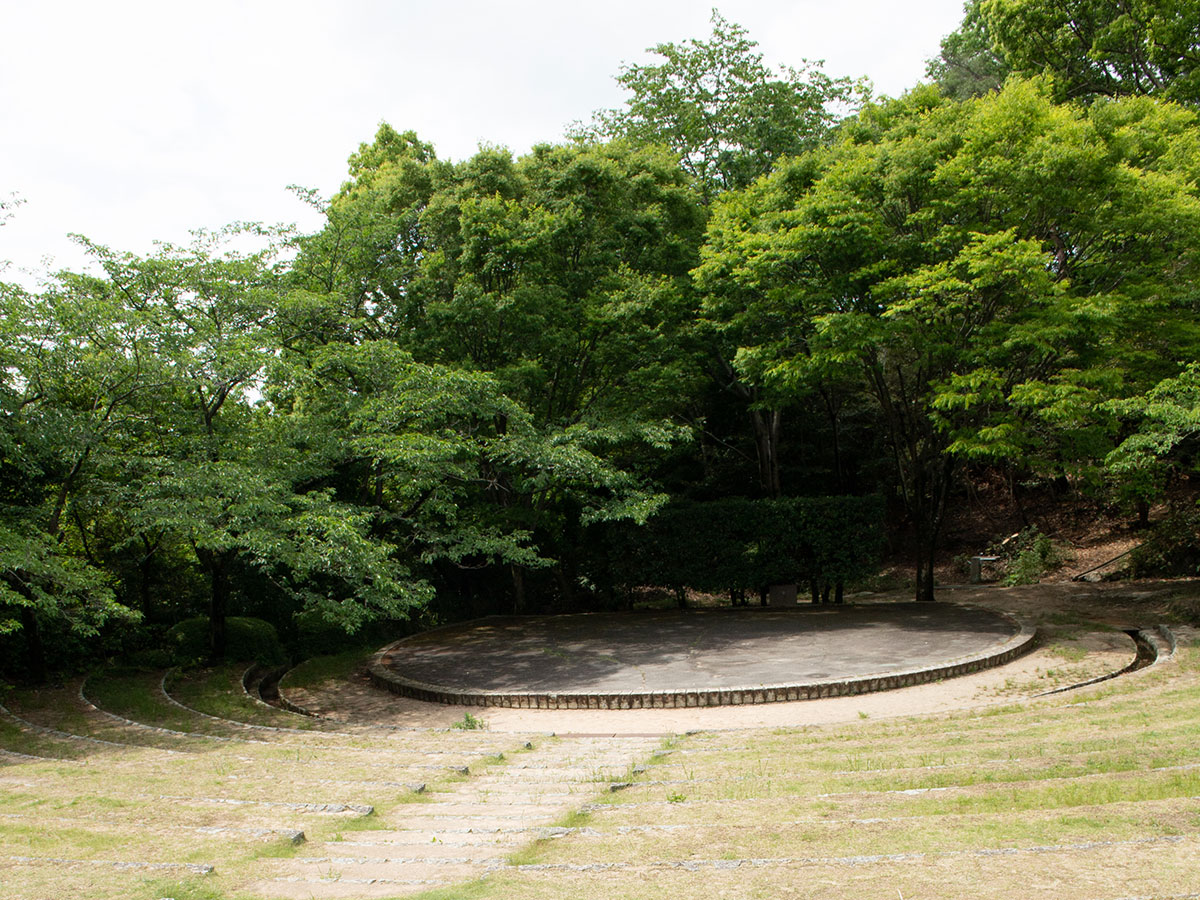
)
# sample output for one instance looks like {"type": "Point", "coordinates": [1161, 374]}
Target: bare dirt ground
{"type": "Point", "coordinates": [1081, 627]}
{"type": "Point", "coordinates": [1088, 534]}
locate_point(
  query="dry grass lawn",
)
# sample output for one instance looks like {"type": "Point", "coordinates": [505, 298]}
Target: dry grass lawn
{"type": "Point", "coordinates": [132, 787]}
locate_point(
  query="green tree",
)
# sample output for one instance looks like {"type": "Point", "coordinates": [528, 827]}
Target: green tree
{"type": "Point", "coordinates": [355, 277]}
{"type": "Point", "coordinates": [755, 307]}
{"type": "Point", "coordinates": [70, 373]}
{"type": "Point", "coordinates": [212, 467]}
{"type": "Point", "coordinates": [717, 105]}
{"type": "Point", "coordinates": [566, 280]}
{"type": "Point", "coordinates": [730, 119]}
{"type": "Point", "coordinates": [561, 275]}
{"type": "Point", "coordinates": [1102, 48]}
{"type": "Point", "coordinates": [453, 470]}
{"type": "Point", "coordinates": [978, 265]}
{"type": "Point", "coordinates": [1162, 425]}
{"type": "Point", "coordinates": [968, 65]}
{"type": "Point", "coordinates": [207, 315]}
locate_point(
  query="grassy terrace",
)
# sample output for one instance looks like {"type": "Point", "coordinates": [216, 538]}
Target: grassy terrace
{"type": "Point", "coordinates": [124, 790]}
{"type": "Point", "coordinates": [183, 803]}
{"type": "Point", "coordinates": [1095, 794]}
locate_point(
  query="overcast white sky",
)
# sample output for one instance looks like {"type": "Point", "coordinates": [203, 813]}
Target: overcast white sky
{"type": "Point", "coordinates": [135, 121]}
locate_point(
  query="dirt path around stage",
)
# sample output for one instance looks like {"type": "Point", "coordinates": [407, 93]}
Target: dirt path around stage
{"type": "Point", "coordinates": [1081, 627]}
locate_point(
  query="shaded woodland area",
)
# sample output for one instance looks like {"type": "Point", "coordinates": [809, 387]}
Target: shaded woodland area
{"type": "Point", "coordinates": [754, 316]}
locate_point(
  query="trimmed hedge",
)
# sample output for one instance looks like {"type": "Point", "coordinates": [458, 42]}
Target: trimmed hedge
{"type": "Point", "coordinates": [742, 545]}
{"type": "Point", "coordinates": [246, 639]}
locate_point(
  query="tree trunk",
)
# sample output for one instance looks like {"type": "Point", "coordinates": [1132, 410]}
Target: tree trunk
{"type": "Point", "coordinates": [925, 496]}
{"type": "Point", "coordinates": [144, 587]}
{"type": "Point", "coordinates": [35, 651]}
{"type": "Point", "coordinates": [218, 613]}
{"type": "Point", "coordinates": [518, 580]}
{"type": "Point", "coordinates": [564, 586]}
{"type": "Point", "coordinates": [218, 605]}
{"type": "Point", "coordinates": [767, 429]}
{"type": "Point", "coordinates": [54, 526]}
{"type": "Point", "coordinates": [766, 424]}
{"type": "Point", "coordinates": [929, 526]}
{"type": "Point", "coordinates": [145, 574]}
{"type": "Point", "coordinates": [924, 579]}
{"type": "Point", "coordinates": [832, 411]}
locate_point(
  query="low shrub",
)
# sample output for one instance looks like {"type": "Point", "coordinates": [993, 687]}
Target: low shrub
{"type": "Point", "coordinates": [1029, 555]}
{"type": "Point", "coordinates": [1172, 546]}
{"type": "Point", "coordinates": [317, 636]}
{"type": "Point", "coordinates": [246, 639]}
{"type": "Point", "coordinates": [152, 658]}
{"type": "Point", "coordinates": [1185, 609]}
{"type": "Point", "coordinates": [741, 545]}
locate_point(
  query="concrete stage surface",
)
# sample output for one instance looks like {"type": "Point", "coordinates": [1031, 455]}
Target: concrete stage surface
{"type": "Point", "coordinates": [702, 657]}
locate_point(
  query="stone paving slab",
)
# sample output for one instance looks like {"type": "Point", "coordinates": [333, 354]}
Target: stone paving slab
{"type": "Point", "coordinates": [695, 658]}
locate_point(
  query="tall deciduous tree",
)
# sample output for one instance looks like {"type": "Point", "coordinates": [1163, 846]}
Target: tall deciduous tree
{"type": "Point", "coordinates": [455, 472]}
{"type": "Point", "coordinates": [726, 114]}
{"type": "Point", "coordinates": [212, 467]}
{"type": "Point", "coordinates": [1102, 48]}
{"type": "Point", "coordinates": [754, 307]}
{"type": "Point", "coordinates": [977, 264]}
{"type": "Point", "coordinates": [730, 119]}
{"type": "Point", "coordinates": [70, 374]}
{"type": "Point", "coordinates": [968, 65]}
{"type": "Point", "coordinates": [355, 277]}
{"type": "Point", "coordinates": [563, 276]}
{"type": "Point", "coordinates": [207, 314]}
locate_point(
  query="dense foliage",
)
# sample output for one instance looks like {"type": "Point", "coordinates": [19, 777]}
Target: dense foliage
{"type": "Point", "coordinates": [740, 547]}
{"type": "Point", "coordinates": [719, 340]}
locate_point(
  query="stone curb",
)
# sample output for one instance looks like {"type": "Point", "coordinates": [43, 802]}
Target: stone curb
{"type": "Point", "coordinates": [256, 672]}
{"type": "Point", "coordinates": [13, 754]}
{"type": "Point", "coordinates": [43, 729]}
{"type": "Point", "coordinates": [293, 835]}
{"type": "Point", "coordinates": [912, 792]}
{"type": "Point", "coordinates": [293, 707]}
{"type": "Point", "coordinates": [142, 726]}
{"type": "Point", "coordinates": [195, 868]}
{"type": "Point", "coordinates": [1163, 640]}
{"type": "Point", "coordinates": [410, 882]}
{"type": "Point", "coordinates": [863, 860]}
{"type": "Point", "coordinates": [358, 809]}
{"type": "Point", "coordinates": [383, 676]}
{"type": "Point", "coordinates": [277, 729]}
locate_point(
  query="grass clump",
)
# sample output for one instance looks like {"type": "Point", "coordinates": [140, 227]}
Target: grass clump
{"type": "Point", "coordinates": [469, 723]}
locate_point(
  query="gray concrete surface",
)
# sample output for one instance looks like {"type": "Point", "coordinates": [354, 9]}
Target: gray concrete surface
{"type": "Point", "coordinates": [697, 652]}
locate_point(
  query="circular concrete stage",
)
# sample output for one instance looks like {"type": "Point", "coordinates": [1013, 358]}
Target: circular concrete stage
{"type": "Point", "coordinates": [696, 657]}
